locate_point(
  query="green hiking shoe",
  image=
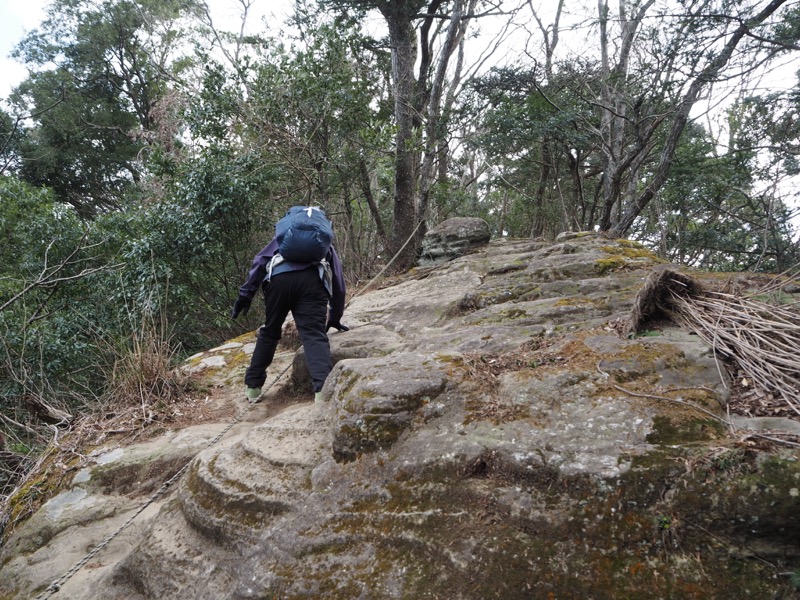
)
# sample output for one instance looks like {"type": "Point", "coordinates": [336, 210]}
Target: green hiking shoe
{"type": "Point", "coordinates": [253, 395]}
{"type": "Point", "coordinates": [317, 397]}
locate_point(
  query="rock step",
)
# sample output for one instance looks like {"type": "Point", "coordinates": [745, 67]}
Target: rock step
{"type": "Point", "coordinates": [231, 493]}
{"type": "Point", "coordinates": [296, 437]}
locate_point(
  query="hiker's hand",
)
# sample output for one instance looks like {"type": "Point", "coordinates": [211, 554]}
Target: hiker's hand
{"type": "Point", "coordinates": [242, 305]}
{"type": "Point", "coordinates": [338, 326]}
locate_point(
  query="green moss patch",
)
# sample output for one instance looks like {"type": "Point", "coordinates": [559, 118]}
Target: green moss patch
{"type": "Point", "coordinates": [603, 266]}
{"type": "Point", "coordinates": [625, 253]}
{"type": "Point", "coordinates": [54, 471]}
{"type": "Point", "coordinates": [464, 538]}
{"type": "Point", "coordinates": [668, 431]}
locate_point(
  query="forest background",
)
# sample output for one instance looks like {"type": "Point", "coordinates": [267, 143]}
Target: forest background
{"type": "Point", "coordinates": [147, 154]}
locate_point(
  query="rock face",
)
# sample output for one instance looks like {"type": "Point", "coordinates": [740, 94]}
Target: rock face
{"type": "Point", "coordinates": [453, 238]}
{"type": "Point", "coordinates": [485, 433]}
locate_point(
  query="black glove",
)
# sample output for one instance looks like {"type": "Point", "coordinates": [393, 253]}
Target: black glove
{"type": "Point", "coordinates": [242, 305]}
{"type": "Point", "coordinates": [338, 326]}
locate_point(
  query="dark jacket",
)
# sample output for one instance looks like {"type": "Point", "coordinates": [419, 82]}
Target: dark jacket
{"type": "Point", "coordinates": [258, 271]}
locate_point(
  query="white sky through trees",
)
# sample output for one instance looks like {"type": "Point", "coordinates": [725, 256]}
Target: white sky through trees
{"type": "Point", "coordinates": [16, 20]}
{"type": "Point", "coordinates": [20, 17]}
{"type": "Point", "coordinates": [578, 36]}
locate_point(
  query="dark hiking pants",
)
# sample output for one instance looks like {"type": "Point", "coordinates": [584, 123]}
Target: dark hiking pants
{"type": "Point", "coordinates": [303, 293]}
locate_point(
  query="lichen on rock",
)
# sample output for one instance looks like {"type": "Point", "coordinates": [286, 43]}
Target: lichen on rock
{"type": "Point", "coordinates": [489, 430]}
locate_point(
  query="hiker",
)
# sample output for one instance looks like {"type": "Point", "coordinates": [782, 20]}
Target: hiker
{"type": "Point", "coordinates": [299, 271]}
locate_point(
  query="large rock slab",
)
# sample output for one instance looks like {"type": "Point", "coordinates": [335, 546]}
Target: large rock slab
{"type": "Point", "coordinates": [231, 492]}
{"type": "Point", "coordinates": [361, 342]}
{"type": "Point", "coordinates": [485, 433]}
{"type": "Point", "coordinates": [377, 400]}
{"type": "Point", "coordinates": [452, 238]}
{"type": "Point", "coordinates": [112, 486]}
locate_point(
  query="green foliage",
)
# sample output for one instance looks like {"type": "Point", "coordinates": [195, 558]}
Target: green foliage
{"type": "Point", "coordinates": [50, 269]}
{"type": "Point", "coordinates": [716, 211]}
{"type": "Point", "coordinates": [720, 212]}
{"type": "Point", "coordinates": [307, 113]}
{"type": "Point", "coordinates": [81, 146]}
{"type": "Point", "coordinates": [26, 222]}
{"type": "Point", "coordinates": [9, 140]}
{"type": "Point", "coordinates": [97, 75]}
{"type": "Point", "coordinates": [73, 293]}
{"type": "Point", "coordinates": [287, 126]}
{"type": "Point", "coordinates": [314, 107]}
{"type": "Point", "coordinates": [584, 144]}
{"type": "Point", "coordinates": [192, 248]}
{"type": "Point", "coordinates": [794, 579]}
{"type": "Point", "coordinates": [786, 31]}
{"type": "Point", "coordinates": [539, 134]}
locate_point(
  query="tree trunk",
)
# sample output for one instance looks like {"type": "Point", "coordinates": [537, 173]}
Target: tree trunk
{"type": "Point", "coordinates": [579, 211]}
{"type": "Point", "coordinates": [403, 40]}
{"type": "Point", "coordinates": [615, 108]}
{"type": "Point", "coordinates": [366, 188]}
{"type": "Point", "coordinates": [433, 129]}
{"type": "Point", "coordinates": [539, 220]}
{"type": "Point", "coordinates": [700, 83]}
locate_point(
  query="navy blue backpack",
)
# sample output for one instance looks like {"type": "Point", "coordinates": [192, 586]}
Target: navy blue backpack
{"type": "Point", "coordinates": [304, 234]}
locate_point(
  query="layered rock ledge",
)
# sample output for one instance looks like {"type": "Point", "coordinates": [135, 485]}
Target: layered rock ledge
{"type": "Point", "coordinates": [486, 433]}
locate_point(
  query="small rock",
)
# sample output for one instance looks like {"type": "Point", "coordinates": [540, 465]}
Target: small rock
{"type": "Point", "coordinates": [453, 238]}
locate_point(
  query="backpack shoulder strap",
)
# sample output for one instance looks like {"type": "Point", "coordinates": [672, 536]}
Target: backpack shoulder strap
{"type": "Point", "coordinates": [276, 260]}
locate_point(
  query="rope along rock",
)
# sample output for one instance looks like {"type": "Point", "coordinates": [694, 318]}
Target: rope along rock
{"type": "Point", "coordinates": [58, 583]}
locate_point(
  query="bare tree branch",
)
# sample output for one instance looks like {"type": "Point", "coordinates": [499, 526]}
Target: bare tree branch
{"type": "Point", "coordinates": [49, 275]}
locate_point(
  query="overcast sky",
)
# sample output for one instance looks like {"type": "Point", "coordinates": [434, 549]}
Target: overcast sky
{"type": "Point", "coordinates": [19, 17]}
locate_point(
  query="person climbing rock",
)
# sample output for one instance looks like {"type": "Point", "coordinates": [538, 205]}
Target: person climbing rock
{"type": "Point", "coordinates": [299, 271]}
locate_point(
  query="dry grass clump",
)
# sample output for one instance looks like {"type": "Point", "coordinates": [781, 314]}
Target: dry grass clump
{"type": "Point", "coordinates": [42, 474]}
{"type": "Point", "coordinates": [484, 371]}
{"type": "Point", "coordinates": [144, 368]}
{"type": "Point", "coordinates": [760, 336]}
{"type": "Point", "coordinates": [486, 368]}
{"type": "Point", "coordinates": [145, 388]}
